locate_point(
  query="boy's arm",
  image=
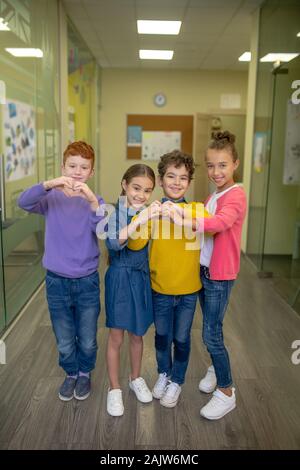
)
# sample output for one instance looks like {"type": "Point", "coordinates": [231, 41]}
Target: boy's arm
{"type": "Point", "coordinates": [187, 214]}
{"type": "Point", "coordinates": [97, 215]}
{"type": "Point", "coordinates": [34, 199]}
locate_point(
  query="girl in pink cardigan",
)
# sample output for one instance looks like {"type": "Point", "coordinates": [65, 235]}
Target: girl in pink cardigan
{"type": "Point", "coordinates": [219, 266]}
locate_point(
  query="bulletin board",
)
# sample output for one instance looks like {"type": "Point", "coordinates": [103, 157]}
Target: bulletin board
{"type": "Point", "coordinates": [138, 123]}
{"type": "Point", "coordinates": [19, 140]}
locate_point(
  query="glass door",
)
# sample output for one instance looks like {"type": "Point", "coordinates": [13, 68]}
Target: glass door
{"type": "Point", "coordinates": [281, 247]}
{"type": "Point", "coordinates": [29, 142]}
{"type": "Point", "coordinates": [2, 299]}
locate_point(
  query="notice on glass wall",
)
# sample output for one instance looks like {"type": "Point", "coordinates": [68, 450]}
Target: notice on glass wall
{"type": "Point", "coordinates": [259, 151]}
{"type": "Point", "coordinates": [19, 136]}
{"type": "Point", "coordinates": [157, 143]}
{"type": "Point", "coordinates": [291, 172]}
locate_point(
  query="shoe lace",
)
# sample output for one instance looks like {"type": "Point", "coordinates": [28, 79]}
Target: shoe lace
{"type": "Point", "coordinates": [116, 397]}
{"type": "Point", "coordinates": [162, 379]}
{"type": "Point", "coordinates": [141, 384]}
{"type": "Point", "coordinates": [216, 399]}
{"type": "Point", "coordinates": [171, 389]}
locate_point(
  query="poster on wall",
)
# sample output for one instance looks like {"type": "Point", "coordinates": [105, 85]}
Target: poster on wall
{"type": "Point", "coordinates": [134, 136]}
{"type": "Point", "coordinates": [157, 143]}
{"type": "Point", "coordinates": [259, 151]}
{"type": "Point", "coordinates": [71, 124]}
{"type": "Point", "coordinates": [19, 140]}
{"type": "Point", "coordinates": [291, 171]}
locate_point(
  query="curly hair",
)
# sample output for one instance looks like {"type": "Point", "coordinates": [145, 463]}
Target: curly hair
{"type": "Point", "coordinates": [224, 140]}
{"type": "Point", "coordinates": [176, 158]}
{"type": "Point", "coordinates": [80, 148]}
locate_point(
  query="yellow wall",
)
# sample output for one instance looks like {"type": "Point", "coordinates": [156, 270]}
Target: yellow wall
{"type": "Point", "coordinates": [131, 92]}
{"type": "Point", "coordinates": [81, 98]}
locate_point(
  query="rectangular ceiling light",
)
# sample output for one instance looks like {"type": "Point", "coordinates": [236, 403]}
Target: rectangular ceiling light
{"type": "Point", "coordinates": [298, 35]}
{"type": "Point", "coordinates": [3, 25]}
{"type": "Point", "coordinates": [158, 27]}
{"type": "Point", "coordinates": [155, 54]}
{"type": "Point", "coordinates": [246, 57]}
{"type": "Point", "coordinates": [24, 52]}
{"type": "Point", "coordinates": [278, 56]}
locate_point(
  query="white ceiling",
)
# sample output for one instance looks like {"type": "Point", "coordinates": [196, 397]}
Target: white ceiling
{"type": "Point", "coordinates": [214, 33]}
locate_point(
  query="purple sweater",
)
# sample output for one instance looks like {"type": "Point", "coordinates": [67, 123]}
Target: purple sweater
{"type": "Point", "coordinates": [71, 244]}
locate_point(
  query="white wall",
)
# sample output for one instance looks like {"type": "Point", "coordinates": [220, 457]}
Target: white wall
{"type": "Point", "coordinates": [125, 91]}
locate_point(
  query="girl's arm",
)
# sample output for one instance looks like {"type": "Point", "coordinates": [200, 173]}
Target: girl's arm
{"type": "Point", "coordinates": [220, 222]}
{"type": "Point", "coordinates": [140, 220]}
{"type": "Point", "coordinates": [117, 239]}
{"type": "Point", "coordinates": [224, 219]}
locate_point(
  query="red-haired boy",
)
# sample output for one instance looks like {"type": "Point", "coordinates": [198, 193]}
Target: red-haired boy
{"type": "Point", "coordinates": [71, 259]}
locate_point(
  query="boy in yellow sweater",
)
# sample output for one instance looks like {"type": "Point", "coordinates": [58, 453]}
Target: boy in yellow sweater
{"type": "Point", "coordinates": [175, 280]}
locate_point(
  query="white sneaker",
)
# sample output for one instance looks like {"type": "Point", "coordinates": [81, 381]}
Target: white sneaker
{"type": "Point", "coordinates": [209, 382]}
{"type": "Point", "coordinates": [171, 395]}
{"type": "Point", "coordinates": [141, 389]}
{"type": "Point", "coordinates": [160, 386]}
{"type": "Point", "coordinates": [114, 404]}
{"type": "Point", "coordinates": [219, 405]}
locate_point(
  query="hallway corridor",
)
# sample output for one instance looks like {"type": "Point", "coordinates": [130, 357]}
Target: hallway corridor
{"type": "Point", "coordinates": [259, 331]}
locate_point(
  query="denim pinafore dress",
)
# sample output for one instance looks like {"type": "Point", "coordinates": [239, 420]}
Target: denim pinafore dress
{"type": "Point", "coordinates": [128, 297]}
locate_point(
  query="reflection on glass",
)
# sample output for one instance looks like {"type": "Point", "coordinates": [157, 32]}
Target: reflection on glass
{"type": "Point", "coordinates": [274, 213]}
{"type": "Point", "coordinates": [29, 139]}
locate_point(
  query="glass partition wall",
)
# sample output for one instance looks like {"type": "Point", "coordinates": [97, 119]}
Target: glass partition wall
{"type": "Point", "coordinates": [274, 212]}
{"type": "Point", "coordinates": [29, 141]}
{"type": "Point", "coordinates": [83, 94]}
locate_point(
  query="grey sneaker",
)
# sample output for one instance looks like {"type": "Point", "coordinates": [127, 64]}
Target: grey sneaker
{"type": "Point", "coordinates": [83, 387]}
{"type": "Point", "coordinates": [66, 391]}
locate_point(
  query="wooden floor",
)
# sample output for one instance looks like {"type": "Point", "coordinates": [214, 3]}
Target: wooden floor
{"type": "Point", "coordinates": [259, 331]}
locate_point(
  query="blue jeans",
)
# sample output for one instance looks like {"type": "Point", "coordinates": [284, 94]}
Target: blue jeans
{"type": "Point", "coordinates": [74, 306]}
{"type": "Point", "coordinates": [214, 298]}
{"type": "Point", "coordinates": [173, 318]}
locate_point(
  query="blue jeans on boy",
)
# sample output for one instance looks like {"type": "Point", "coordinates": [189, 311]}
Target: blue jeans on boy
{"type": "Point", "coordinates": [214, 298]}
{"type": "Point", "coordinates": [173, 318]}
{"type": "Point", "coordinates": [74, 306]}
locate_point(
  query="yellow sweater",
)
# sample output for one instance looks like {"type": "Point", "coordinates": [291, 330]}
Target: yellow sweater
{"type": "Point", "coordinates": [174, 253]}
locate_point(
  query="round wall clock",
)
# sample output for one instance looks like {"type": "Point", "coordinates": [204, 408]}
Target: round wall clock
{"type": "Point", "coordinates": [159, 99]}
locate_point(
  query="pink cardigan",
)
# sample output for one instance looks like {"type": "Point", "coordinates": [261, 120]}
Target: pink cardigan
{"type": "Point", "coordinates": [227, 225]}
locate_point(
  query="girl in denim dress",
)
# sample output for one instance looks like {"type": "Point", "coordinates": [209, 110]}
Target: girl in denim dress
{"type": "Point", "coordinates": [128, 298]}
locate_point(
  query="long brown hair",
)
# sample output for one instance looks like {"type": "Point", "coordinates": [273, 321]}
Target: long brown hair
{"type": "Point", "coordinates": [139, 169]}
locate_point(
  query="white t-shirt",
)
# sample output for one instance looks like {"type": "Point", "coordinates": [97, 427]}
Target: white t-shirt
{"type": "Point", "coordinates": [211, 207]}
